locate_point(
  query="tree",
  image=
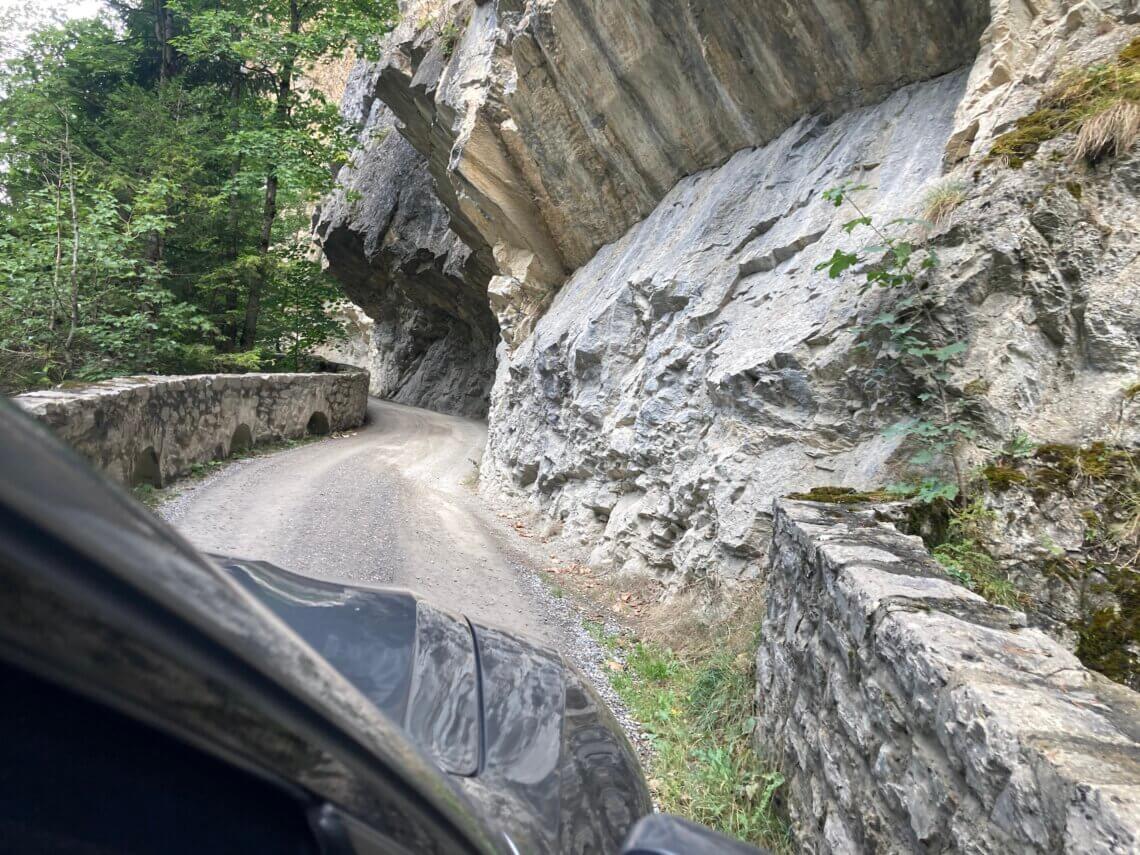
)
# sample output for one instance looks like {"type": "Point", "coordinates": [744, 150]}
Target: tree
{"type": "Point", "coordinates": [290, 135]}
{"type": "Point", "coordinates": [156, 174]}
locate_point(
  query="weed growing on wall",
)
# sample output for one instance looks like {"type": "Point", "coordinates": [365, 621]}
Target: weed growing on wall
{"type": "Point", "coordinates": [1101, 104]}
{"type": "Point", "coordinates": [902, 334]}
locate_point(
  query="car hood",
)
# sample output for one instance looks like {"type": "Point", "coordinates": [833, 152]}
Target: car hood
{"type": "Point", "coordinates": [414, 661]}
{"type": "Point", "coordinates": [523, 732]}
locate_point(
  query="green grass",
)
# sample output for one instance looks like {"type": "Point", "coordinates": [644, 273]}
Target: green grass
{"type": "Point", "coordinates": [966, 560]}
{"type": "Point", "coordinates": [700, 717]}
{"type": "Point", "coordinates": [1083, 98]}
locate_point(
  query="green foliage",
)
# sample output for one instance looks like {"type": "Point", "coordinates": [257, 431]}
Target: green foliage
{"type": "Point", "coordinates": [136, 230]}
{"type": "Point", "coordinates": [905, 342]}
{"type": "Point", "coordinates": [965, 558]}
{"type": "Point", "coordinates": [448, 38]}
{"type": "Point", "coordinates": [700, 717]}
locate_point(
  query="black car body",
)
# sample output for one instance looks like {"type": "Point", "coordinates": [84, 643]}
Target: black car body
{"type": "Point", "coordinates": [153, 699]}
{"type": "Point", "coordinates": [520, 731]}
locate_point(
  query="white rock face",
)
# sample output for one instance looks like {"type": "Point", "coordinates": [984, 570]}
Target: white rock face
{"type": "Point", "coordinates": [700, 366]}
{"type": "Point", "coordinates": [696, 366]}
{"type": "Point", "coordinates": [552, 126]}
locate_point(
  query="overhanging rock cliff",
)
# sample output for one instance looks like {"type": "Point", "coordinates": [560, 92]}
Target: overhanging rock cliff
{"type": "Point", "coordinates": [638, 191]}
{"type": "Point", "coordinates": [552, 126]}
{"type": "Point", "coordinates": [387, 239]}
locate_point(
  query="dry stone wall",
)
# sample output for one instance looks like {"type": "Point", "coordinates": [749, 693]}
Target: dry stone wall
{"type": "Point", "coordinates": [141, 430]}
{"type": "Point", "coordinates": [909, 715]}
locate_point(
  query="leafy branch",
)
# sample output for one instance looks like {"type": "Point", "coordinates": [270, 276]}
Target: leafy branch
{"type": "Point", "coordinates": [895, 263]}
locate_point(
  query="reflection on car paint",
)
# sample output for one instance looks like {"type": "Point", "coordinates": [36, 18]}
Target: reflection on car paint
{"type": "Point", "coordinates": [416, 663]}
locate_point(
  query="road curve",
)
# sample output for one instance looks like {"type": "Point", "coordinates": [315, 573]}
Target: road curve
{"type": "Point", "coordinates": [389, 504]}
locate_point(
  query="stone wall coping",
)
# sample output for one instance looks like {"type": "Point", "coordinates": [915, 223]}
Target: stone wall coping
{"type": "Point", "coordinates": [133, 383]}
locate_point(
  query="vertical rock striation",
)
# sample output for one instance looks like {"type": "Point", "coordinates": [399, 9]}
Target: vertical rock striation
{"type": "Point", "coordinates": [552, 126]}
{"type": "Point", "coordinates": [388, 240]}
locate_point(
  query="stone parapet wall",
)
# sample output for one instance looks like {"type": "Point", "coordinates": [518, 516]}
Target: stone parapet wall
{"type": "Point", "coordinates": [909, 715]}
{"type": "Point", "coordinates": [143, 430]}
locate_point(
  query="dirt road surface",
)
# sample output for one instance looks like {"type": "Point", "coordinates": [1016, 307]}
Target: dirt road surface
{"type": "Point", "coordinates": [389, 504]}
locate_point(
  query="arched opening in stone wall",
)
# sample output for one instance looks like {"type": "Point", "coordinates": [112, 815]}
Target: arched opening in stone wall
{"type": "Point", "coordinates": [146, 469]}
{"type": "Point", "coordinates": [242, 440]}
{"type": "Point", "coordinates": [318, 424]}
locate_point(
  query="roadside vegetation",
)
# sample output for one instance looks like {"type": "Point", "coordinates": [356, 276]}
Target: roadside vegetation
{"type": "Point", "coordinates": [698, 708]}
{"type": "Point", "coordinates": [158, 165]}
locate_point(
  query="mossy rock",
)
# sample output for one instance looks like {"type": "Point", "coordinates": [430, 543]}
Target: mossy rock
{"type": "Point", "coordinates": [1110, 637]}
{"type": "Point", "coordinates": [1000, 477]}
{"type": "Point", "coordinates": [844, 496]}
{"type": "Point", "coordinates": [1081, 96]}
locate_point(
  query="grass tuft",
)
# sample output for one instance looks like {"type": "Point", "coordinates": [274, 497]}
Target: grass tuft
{"type": "Point", "coordinates": [1098, 103]}
{"type": "Point", "coordinates": [1110, 133]}
{"type": "Point", "coordinates": [700, 716]}
{"type": "Point", "coordinates": [966, 560]}
{"type": "Point", "coordinates": [940, 202]}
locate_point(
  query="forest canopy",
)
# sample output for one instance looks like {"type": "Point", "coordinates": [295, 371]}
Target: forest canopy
{"type": "Point", "coordinates": [158, 169]}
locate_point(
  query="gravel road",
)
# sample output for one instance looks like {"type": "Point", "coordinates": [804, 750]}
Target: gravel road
{"type": "Point", "coordinates": [390, 504]}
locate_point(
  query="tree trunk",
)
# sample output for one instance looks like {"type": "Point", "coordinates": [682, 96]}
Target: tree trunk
{"type": "Point", "coordinates": [58, 264]}
{"type": "Point", "coordinates": [232, 329]}
{"type": "Point", "coordinates": [281, 115]}
{"type": "Point", "coordinates": [163, 32]}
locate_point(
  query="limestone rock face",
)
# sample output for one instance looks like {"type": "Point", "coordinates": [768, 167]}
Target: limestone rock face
{"type": "Point", "coordinates": [387, 239]}
{"type": "Point", "coordinates": [634, 189]}
{"type": "Point", "coordinates": [552, 126]}
{"type": "Point", "coordinates": [700, 365]}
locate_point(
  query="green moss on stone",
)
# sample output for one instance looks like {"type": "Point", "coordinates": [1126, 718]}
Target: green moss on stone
{"type": "Point", "coordinates": [844, 496]}
{"type": "Point", "coordinates": [1109, 639]}
{"type": "Point", "coordinates": [1099, 462]}
{"type": "Point", "coordinates": [1081, 96]}
{"type": "Point", "coordinates": [1000, 477]}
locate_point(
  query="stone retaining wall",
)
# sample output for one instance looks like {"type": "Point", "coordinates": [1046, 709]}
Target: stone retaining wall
{"type": "Point", "coordinates": [143, 430]}
{"type": "Point", "coordinates": [909, 715]}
